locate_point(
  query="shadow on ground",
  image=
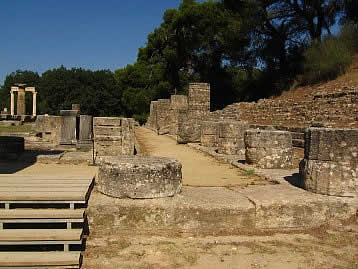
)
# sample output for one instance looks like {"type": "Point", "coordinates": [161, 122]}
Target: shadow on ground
{"type": "Point", "coordinates": [294, 180]}
{"type": "Point", "coordinates": [12, 164]}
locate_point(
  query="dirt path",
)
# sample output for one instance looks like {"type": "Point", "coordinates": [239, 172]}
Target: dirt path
{"type": "Point", "coordinates": [198, 169]}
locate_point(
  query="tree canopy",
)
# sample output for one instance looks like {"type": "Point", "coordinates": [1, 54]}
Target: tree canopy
{"type": "Point", "coordinates": [246, 50]}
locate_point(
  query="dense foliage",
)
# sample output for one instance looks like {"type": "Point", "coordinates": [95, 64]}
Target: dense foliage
{"type": "Point", "coordinates": [246, 50]}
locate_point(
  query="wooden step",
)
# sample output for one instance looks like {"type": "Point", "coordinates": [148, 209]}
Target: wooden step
{"type": "Point", "coordinates": [28, 216]}
{"type": "Point", "coordinates": [40, 260]}
{"type": "Point", "coordinates": [41, 213]}
{"type": "Point", "coordinates": [31, 236]}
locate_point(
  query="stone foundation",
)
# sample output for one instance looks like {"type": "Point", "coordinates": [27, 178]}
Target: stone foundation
{"type": "Point", "coordinates": [139, 177]}
{"type": "Point", "coordinates": [269, 149]}
{"type": "Point", "coordinates": [330, 165]}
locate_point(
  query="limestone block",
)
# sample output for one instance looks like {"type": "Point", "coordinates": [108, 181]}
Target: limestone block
{"type": "Point", "coordinates": [107, 121]}
{"type": "Point", "coordinates": [269, 149]}
{"type": "Point", "coordinates": [108, 148]}
{"type": "Point", "coordinates": [178, 102]}
{"type": "Point", "coordinates": [330, 178]}
{"type": "Point", "coordinates": [107, 130]}
{"type": "Point", "coordinates": [233, 129]}
{"type": "Point", "coordinates": [189, 130]}
{"type": "Point", "coordinates": [85, 132]}
{"type": "Point", "coordinates": [68, 130]}
{"type": "Point", "coordinates": [73, 113]}
{"type": "Point", "coordinates": [270, 158]}
{"type": "Point", "coordinates": [231, 146]}
{"type": "Point", "coordinates": [139, 177]}
{"type": "Point", "coordinates": [331, 144]}
{"type": "Point", "coordinates": [255, 138]}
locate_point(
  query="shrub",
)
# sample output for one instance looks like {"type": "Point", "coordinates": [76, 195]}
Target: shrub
{"type": "Point", "coordinates": [328, 59]}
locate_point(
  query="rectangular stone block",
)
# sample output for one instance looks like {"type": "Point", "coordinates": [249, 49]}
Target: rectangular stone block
{"type": "Point", "coordinates": [107, 130]}
{"type": "Point", "coordinates": [233, 129]}
{"type": "Point", "coordinates": [85, 127]}
{"type": "Point", "coordinates": [178, 102]}
{"type": "Point", "coordinates": [330, 144]}
{"type": "Point", "coordinates": [107, 121]}
{"type": "Point", "coordinates": [68, 130]}
{"type": "Point", "coordinates": [189, 130]}
{"type": "Point", "coordinates": [108, 148]}
{"type": "Point", "coordinates": [329, 178]}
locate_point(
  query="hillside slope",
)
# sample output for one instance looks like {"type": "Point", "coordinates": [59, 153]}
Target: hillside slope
{"type": "Point", "coordinates": [334, 103]}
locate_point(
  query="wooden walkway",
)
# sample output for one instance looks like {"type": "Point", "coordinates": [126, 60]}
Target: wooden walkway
{"type": "Point", "coordinates": [30, 201]}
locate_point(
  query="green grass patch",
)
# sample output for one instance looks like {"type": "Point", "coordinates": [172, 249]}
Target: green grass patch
{"type": "Point", "coordinates": [249, 172]}
{"type": "Point", "coordinates": [16, 129]}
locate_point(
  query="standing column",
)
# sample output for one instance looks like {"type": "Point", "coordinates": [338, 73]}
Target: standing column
{"type": "Point", "coordinates": [12, 108]}
{"type": "Point", "coordinates": [21, 102]}
{"type": "Point", "coordinates": [34, 103]}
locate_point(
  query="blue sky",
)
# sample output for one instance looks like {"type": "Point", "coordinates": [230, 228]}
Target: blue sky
{"type": "Point", "coordinates": [38, 35]}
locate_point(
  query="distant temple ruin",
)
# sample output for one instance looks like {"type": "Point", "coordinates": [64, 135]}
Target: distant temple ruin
{"type": "Point", "coordinates": [21, 105]}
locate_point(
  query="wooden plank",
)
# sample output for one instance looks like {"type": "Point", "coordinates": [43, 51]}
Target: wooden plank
{"type": "Point", "coordinates": [42, 196]}
{"type": "Point", "coordinates": [44, 182]}
{"type": "Point", "coordinates": [20, 189]}
{"type": "Point", "coordinates": [23, 235]}
{"type": "Point", "coordinates": [42, 214]}
{"type": "Point", "coordinates": [42, 185]}
{"type": "Point", "coordinates": [27, 259]}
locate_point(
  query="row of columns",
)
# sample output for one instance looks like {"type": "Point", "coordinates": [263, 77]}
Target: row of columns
{"type": "Point", "coordinates": [21, 109]}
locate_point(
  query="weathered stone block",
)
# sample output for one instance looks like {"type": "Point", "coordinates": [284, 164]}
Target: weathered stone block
{"type": "Point", "coordinates": [330, 178]}
{"type": "Point", "coordinates": [269, 149]}
{"type": "Point", "coordinates": [178, 102]}
{"type": "Point", "coordinates": [189, 130]}
{"type": "Point", "coordinates": [115, 137]}
{"type": "Point", "coordinates": [107, 121]}
{"type": "Point", "coordinates": [85, 132]}
{"type": "Point", "coordinates": [139, 177]}
{"type": "Point", "coordinates": [233, 129]}
{"type": "Point", "coordinates": [255, 138]}
{"type": "Point", "coordinates": [231, 146]}
{"type": "Point", "coordinates": [270, 158]}
{"type": "Point", "coordinates": [330, 144]}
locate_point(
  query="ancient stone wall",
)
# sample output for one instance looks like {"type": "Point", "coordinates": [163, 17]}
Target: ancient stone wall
{"type": "Point", "coordinates": [269, 149]}
{"type": "Point", "coordinates": [209, 133]}
{"type": "Point", "coordinates": [189, 129]}
{"type": "Point", "coordinates": [113, 136]}
{"type": "Point", "coordinates": [330, 165]}
{"type": "Point", "coordinates": [163, 116]}
{"type": "Point", "coordinates": [199, 100]}
{"type": "Point", "coordinates": [177, 102]}
{"type": "Point", "coordinates": [49, 128]}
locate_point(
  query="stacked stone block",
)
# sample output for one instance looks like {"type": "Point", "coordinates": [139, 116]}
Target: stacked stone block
{"type": "Point", "coordinates": [152, 119]}
{"type": "Point", "coordinates": [199, 100]}
{"type": "Point", "coordinates": [269, 148]}
{"type": "Point", "coordinates": [189, 129]}
{"type": "Point", "coordinates": [177, 103]}
{"type": "Point", "coordinates": [231, 137]}
{"type": "Point", "coordinates": [330, 165]}
{"type": "Point", "coordinates": [163, 116]}
{"type": "Point", "coordinates": [210, 133]}
{"type": "Point", "coordinates": [113, 136]}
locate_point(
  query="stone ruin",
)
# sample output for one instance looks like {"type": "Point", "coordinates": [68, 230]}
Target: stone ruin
{"type": "Point", "coordinates": [139, 177]}
{"type": "Point", "coordinates": [70, 128]}
{"type": "Point", "coordinates": [330, 165]}
{"type": "Point", "coordinates": [21, 90]}
{"type": "Point", "coordinates": [113, 136]}
{"type": "Point", "coordinates": [269, 148]}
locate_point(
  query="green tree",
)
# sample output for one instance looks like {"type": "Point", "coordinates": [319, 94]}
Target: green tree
{"type": "Point", "coordinates": [31, 79]}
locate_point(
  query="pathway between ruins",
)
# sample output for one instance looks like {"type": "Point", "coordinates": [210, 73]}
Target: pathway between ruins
{"type": "Point", "coordinates": [198, 169]}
